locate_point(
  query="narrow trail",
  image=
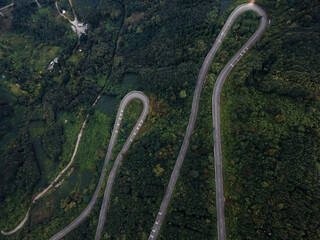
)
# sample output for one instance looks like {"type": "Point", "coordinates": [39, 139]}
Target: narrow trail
{"type": "Point", "coordinates": [194, 110]}
{"type": "Point", "coordinates": [215, 117]}
{"type": "Point", "coordinates": [195, 105]}
{"type": "Point", "coordinates": [79, 29]}
{"type": "Point", "coordinates": [6, 7]}
{"type": "Point", "coordinates": [75, 21]}
{"type": "Point", "coordinates": [125, 101]}
{"type": "Point", "coordinates": [21, 224]}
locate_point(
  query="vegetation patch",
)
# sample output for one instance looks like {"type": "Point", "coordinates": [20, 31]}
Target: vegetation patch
{"type": "Point", "coordinates": [107, 105]}
{"type": "Point", "coordinates": [130, 81]}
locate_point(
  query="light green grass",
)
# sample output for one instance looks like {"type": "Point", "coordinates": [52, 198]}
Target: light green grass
{"type": "Point", "coordinates": [96, 134]}
{"type": "Point", "coordinates": [23, 50]}
{"type": "Point", "coordinates": [71, 130]}
{"type": "Point", "coordinates": [75, 58]}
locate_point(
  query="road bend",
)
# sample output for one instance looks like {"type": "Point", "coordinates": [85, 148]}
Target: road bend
{"type": "Point", "coordinates": [215, 116]}
{"type": "Point", "coordinates": [125, 101]}
{"type": "Point", "coordinates": [41, 194]}
{"type": "Point", "coordinates": [194, 110]}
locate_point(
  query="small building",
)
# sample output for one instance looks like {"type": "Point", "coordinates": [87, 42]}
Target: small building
{"type": "Point", "coordinates": [51, 65]}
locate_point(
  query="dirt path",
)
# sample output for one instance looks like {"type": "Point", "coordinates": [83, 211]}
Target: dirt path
{"type": "Point", "coordinates": [21, 224]}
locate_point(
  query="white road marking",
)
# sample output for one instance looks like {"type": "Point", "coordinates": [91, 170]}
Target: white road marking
{"type": "Point", "coordinates": [192, 119]}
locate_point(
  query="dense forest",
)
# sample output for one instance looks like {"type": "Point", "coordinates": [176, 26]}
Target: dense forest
{"type": "Point", "coordinates": [270, 118]}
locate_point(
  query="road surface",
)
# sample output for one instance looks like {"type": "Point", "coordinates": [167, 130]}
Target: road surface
{"type": "Point", "coordinates": [125, 101]}
{"type": "Point", "coordinates": [41, 194]}
{"type": "Point", "coordinates": [215, 116]}
{"type": "Point", "coordinates": [194, 110]}
{"type": "Point", "coordinates": [6, 7]}
{"type": "Point", "coordinates": [76, 26]}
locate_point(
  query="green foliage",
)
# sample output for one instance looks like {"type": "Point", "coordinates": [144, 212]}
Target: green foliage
{"type": "Point", "coordinates": [183, 94]}
{"type": "Point", "coordinates": [270, 131]}
{"type": "Point", "coordinates": [52, 140]}
{"type": "Point", "coordinates": [270, 118]}
{"type": "Point", "coordinates": [90, 111]}
{"type": "Point", "coordinates": [107, 105]}
{"type": "Point", "coordinates": [18, 158]}
{"type": "Point", "coordinates": [158, 170]}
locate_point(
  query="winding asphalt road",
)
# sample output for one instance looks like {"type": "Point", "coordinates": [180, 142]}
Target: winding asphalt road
{"type": "Point", "coordinates": [215, 116]}
{"type": "Point", "coordinates": [125, 101]}
{"type": "Point", "coordinates": [194, 110]}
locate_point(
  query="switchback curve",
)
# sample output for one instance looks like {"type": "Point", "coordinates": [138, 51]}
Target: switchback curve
{"type": "Point", "coordinates": [125, 101]}
{"type": "Point", "coordinates": [215, 115]}
{"type": "Point", "coordinates": [194, 110]}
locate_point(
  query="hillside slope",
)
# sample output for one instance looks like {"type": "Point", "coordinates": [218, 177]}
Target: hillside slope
{"type": "Point", "coordinates": [270, 118]}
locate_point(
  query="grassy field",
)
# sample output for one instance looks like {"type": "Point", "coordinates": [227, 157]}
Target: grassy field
{"type": "Point", "coordinates": [93, 142]}
{"type": "Point", "coordinates": [75, 58]}
{"type": "Point", "coordinates": [26, 53]}
{"type": "Point", "coordinates": [81, 179]}
{"type": "Point", "coordinates": [72, 125]}
{"type": "Point", "coordinates": [107, 105]}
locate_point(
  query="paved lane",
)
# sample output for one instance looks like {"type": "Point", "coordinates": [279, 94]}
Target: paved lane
{"type": "Point", "coordinates": [125, 101]}
{"type": "Point", "coordinates": [194, 110]}
{"type": "Point", "coordinates": [41, 194]}
{"type": "Point", "coordinates": [107, 192]}
{"type": "Point", "coordinates": [216, 119]}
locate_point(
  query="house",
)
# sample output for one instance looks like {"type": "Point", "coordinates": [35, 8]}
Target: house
{"type": "Point", "coordinates": [51, 65]}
